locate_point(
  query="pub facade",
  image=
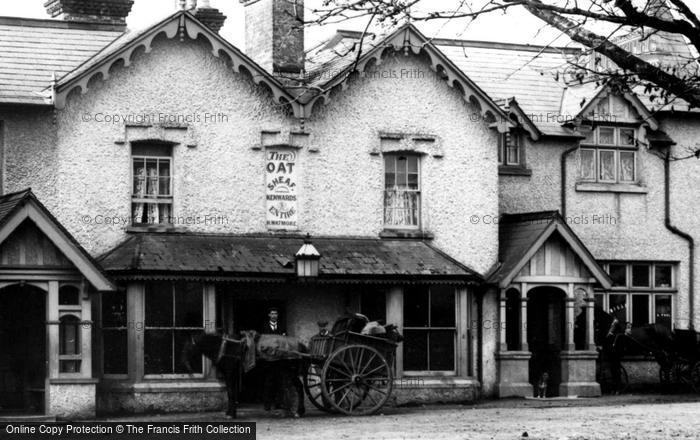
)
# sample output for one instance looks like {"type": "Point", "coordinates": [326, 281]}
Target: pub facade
{"type": "Point", "coordinates": [174, 177]}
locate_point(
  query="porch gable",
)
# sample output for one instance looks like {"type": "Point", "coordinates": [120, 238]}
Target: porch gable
{"type": "Point", "coordinates": [31, 236]}
{"type": "Point", "coordinates": [542, 245]}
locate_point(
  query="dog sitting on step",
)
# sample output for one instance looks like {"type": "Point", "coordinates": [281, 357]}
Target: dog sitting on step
{"type": "Point", "coordinates": [542, 385]}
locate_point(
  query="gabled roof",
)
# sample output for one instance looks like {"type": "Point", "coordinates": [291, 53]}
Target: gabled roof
{"type": "Point", "coordinates": [18, 207]}
{"type": "Point", "coordinates": [236, 257]}
{"type": "Point", "coordinates": [631, 99]}
{"type": "Point", "coordinates": [33, 51]}
{"type": "Point", "coordinates": [332, 64]}
{"type": "Point", "coordinates": [182, 24]}
{"type": "Point", "coordinates": [522, 235]}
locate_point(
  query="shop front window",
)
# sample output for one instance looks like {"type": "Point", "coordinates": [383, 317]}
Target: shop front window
{"type": "Point", "coordinates": [173, 314]}
{"type": "Point", "coordinates": [429, 329]}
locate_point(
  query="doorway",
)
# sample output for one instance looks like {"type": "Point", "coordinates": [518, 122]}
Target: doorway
{"type": "Point", "coordinates": [546, 335]}
{"type": "Point", "coordinates": [251, 314]}
{"type": "Point", "coordinates": [23, 348]}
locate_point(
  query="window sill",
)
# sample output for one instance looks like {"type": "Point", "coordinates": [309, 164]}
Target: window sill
{"type": "Point", "coordinates": [155, 228]}
{"type": "Point", "coordinates": [514, 170]}
{"type": "Point", "coordinates": [629, 188]}
{"type": "Point", "coordinates": [404, 233]}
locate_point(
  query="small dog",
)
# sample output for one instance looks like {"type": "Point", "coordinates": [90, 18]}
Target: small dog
{"type": "Point", "coordinates": [542, 385]}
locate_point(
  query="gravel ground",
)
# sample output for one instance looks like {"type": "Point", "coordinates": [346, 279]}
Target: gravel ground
{"type": "Point", "coordinates": [621, 417]}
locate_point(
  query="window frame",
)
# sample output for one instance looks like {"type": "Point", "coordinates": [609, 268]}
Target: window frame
{"type": "Point", "coordinates": [418, 192]}
{"type": "Point", "coordinates": [158, 200]}
{"type": "Point", "coordinates": [201, 375]}
{"type": "Point", "coordinates": [74, 317]}
{"type": "Point", "coordinates": [504, 140]}
{"type": "Point", "coordinates": [125, 329]}
{"type": "Point", "coordinates": [78, 310]}
{"type": "Point", "coordinates": [455, 329]}
{"type": "Point", "coordinates": [617, 148]}
{"type": "Point", "coordinates": [652, 292]}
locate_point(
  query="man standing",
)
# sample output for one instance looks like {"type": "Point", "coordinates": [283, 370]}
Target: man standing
{"type": "Point", "coordinates": [272, 326]}
{"type": "Point", "coordinates": [272, 382]}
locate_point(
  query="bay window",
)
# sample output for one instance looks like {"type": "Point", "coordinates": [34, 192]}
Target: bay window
{"type": "Point", "coordinates": [402, 191]}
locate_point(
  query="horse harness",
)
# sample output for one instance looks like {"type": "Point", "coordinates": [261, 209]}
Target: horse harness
{"type": "Point", "coordinates": [222, 348]}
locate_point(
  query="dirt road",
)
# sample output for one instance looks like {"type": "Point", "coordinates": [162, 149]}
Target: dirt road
{"type": "Point", "coordinates": [629, 417]}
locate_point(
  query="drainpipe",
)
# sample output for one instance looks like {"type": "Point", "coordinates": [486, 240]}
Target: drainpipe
{"type": "Point", "coordinates": [564, 155]}
{"type": "Point", "coordinates": [684, 235]}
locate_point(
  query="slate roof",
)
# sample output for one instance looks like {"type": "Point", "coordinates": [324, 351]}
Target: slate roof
{"type": "Point", "coordinates": [516, 235]}
{"type": "Point", "coordinates": [32, 51]}
{"type": "Point", "coordinates": [11, 202]}
{"type": "Point", "coordinates": [256, 257]}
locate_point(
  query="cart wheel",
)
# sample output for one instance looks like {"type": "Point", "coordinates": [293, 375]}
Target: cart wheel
{"type": "Point", "coordinates": [695, 377]}
{"type": "Point", "coordinates": [312, 387]}
{"type": "Point", "coordinates": [356, 380]}
{"type": "Point", "coordinates": [665, 376]}
{"type": "Point", "coordinates": [624, 380]}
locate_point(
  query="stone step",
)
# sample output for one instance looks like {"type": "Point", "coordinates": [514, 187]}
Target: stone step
{"type": "Point", "coordinates": [27, 418]}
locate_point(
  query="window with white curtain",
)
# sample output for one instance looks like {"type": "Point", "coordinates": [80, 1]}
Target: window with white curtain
{"type": "Point", "coordinates": [152, 198]}
{"type": "Point", "coordinates": [609, 156]}
{"type": "Point", "coordinates": [402, 191]}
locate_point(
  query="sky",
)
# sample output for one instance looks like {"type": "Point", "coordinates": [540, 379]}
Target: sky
{"type": "Point", "coordinates": [516, 26]}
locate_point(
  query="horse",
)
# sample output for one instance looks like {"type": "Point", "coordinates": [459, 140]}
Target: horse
{"type": "Point", "coordinates": [226, 355]}
{"type": "Point", "coordinates": [232, 358]}
{"type": "Point", "coordinates": [283, 361]}
{"type": "Point", "coordinates": [621, 337]}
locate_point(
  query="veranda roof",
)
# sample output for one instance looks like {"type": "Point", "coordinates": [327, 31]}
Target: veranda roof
{"type": "Point", "coordinates": [271, 258]}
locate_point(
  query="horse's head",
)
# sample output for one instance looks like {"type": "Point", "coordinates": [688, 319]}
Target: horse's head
{"type": "Point", "coordinates": [392, 333]}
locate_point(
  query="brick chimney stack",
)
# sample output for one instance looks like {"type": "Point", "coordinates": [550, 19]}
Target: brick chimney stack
{"type": "Point", "coordinates": [91, 11]}
{"type": "Point", "coordinates": [274, 34]}
{"type": "Point", "coordinates": [210, 16]}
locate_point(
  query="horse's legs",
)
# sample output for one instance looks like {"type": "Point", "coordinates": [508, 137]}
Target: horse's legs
{"type": "Point", "coordinates": [267, 384]}
{"type": "Point", "coordinates": [301, 409]}
{"type": "Point", "coordinates": [232, 391]}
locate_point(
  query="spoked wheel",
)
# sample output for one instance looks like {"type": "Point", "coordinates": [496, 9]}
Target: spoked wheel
{"type": "Point", "coordinates": [695, 377]}
{"type": "Point", "coordinates": [313, 386]}
{"type": "Point", "coordinates": [356, 380]}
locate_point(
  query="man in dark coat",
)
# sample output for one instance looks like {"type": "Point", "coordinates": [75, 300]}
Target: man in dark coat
{"type": "Point", "coordinates": [272, 382]}
{"type": "Point", "coordinates": [272, 326]}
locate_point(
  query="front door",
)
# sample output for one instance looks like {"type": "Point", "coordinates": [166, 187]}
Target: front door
{"type": "Point", "coordinates": [545, 336]}
{"type": "Point", "coordinates": [22, 349]}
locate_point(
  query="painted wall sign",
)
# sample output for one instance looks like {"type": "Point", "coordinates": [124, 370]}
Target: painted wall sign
{"type": "Point", "coordinates": [282, 184]}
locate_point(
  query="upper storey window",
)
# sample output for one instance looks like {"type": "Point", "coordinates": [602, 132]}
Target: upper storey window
{"type": "Point", "coordinates": [609, 155]}
{"type": "Point", "coordinates": [509, 149]}
{"type": "Point", "coordinates": [151, 197]}
{"type": "Point", "coordinates": [402, 196]}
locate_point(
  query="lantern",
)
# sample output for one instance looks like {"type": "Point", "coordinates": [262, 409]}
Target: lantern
{"type": "Point", "coordinates": [307, 259]}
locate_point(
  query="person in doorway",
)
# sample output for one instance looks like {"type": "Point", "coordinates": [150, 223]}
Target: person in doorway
{"type": "Point", "coordinates": [272, 326]}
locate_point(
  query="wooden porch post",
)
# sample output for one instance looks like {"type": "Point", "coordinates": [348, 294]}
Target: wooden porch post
{"type": "Point", "coordinates": [570, 305]}
{"type": "Point", "coordinates": [503, 346]}
{"type": "Point", "coordinates": [523, 317]}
